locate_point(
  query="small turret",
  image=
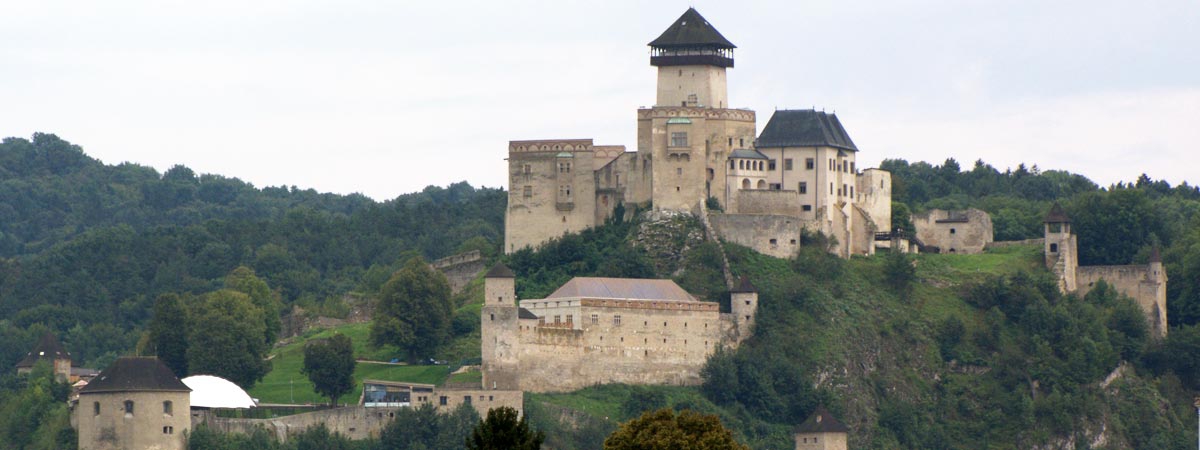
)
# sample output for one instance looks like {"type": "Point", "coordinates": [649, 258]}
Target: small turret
{"type": "Point", "coordinates": [743, 303]}
{"type": "Point", "coordinates": [821, 432]}
{"type": "Point", "coordinates": [499, 285]}
{"type": "Point", "coordinates": [499, 329]}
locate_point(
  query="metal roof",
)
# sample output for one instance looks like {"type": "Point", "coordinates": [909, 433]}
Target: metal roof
{"type": "Point", "coordinates": [691, 30]}
{"type": "Point", "coordinates": [622, 288]}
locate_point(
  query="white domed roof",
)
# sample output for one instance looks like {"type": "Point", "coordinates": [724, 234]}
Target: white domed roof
{"type": "Point", "coordinates": [215, 392]}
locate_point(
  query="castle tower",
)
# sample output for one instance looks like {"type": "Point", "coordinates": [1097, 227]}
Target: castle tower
{"type": "Point", "coordinates": [821, 432]}
{"type": "Point", "coordinates": [688, 135]}
{"type": "Point", "coordinates": [499, 330]}
{"type": "Point", "coordinates": [743, 304]}
{"type": "Point", "coordinates": [48, 349]}
{"type": "Point", "coordinates": [1155, 286]}
{"type": "Point", "coordinates": [1061, 252]}
{"type": "Point", "coordinates": [134, 403]}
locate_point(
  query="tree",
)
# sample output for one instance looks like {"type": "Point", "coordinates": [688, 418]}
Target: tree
{"type": "Point", "coordinates": [900, 273]}
{"type": "Point", "coordinates": [414, 310]}
{"type": "Point", "coordinates": [663, 429]}
{"type": "Point", "coordinates": [243, 280]}
{"type": "Point", "coordinates": [230, 342]}
{"type": "Point", "coordinates": [329, 364]}
{"type": "Point", "coordinates": [169, 333]}
{"type": "Point", "coordinates": [423, 428]}
{"type": "Point", "coordinates": [502, 430]}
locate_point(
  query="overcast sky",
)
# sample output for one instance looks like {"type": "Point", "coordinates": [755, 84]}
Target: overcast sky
{"type": "Point", "coordinates": [384, 98]}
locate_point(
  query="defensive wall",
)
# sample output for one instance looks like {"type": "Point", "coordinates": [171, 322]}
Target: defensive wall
{"type": "Point", "coordinates": [359, 422]}
{"type": "Point", "coordinates": [460, 269]}
{"type": "Point", "coordinates": [773, 235]}
{"type": "Point", "coordinates": [618, 341]}
{"type": "Point", "coordinates": [1139, 282]}
{"type": "Point", "coordinates": [958, 231]}
{"type": "Point", "coordinates": [764, 201]}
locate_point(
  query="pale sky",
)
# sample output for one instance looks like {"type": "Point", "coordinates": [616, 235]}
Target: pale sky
{"type": "Point", "coordinates": [386, 97]}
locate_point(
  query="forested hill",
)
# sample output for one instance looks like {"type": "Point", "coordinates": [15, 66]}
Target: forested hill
{"type": "Point", "coordinates": [86, 247]}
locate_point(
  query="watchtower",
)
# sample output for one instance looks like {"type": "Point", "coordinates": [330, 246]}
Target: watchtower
{"type": "Point", "coordinates": [1061, 253]}
{"type": "Point", "coordinates": [499, 329]}
{"type": "Point", "coordinates": [691, 57]}
{"type": "Point", "coordinates": [743, 304]}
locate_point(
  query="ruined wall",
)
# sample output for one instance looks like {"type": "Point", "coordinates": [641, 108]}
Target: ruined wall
{"type": "Point", "coordinates": [645, 345]}
{"type": "Point", "coordinates": [783, 203]}
{"type": "Point", "coordinates": [861, 235]}
{"type": "Point", "coordinates": [148, 427]}
{"type": "Point", "coordinates": [460, 269]}
{"type": "Point", "coordinates": [773, 235]}
{"type": "Point", "coordinates": [961, 231]}
{"type": "Point", "coordinates": [1146, 285]}
{"type": "Point", "coordinates": [875, 197]}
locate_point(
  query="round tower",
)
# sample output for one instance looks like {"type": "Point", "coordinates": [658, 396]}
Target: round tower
{"type": "Point", "coordinates": [499, 330]}
{"type": "Point", "coordinates": [136, 402]}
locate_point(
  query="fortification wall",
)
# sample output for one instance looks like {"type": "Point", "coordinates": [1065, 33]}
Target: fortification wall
{"type": "Point", "coordinates": [1140, 283]}
{"type": "Point", "coordinates": [551, 191]}
{"type": "Point", "coordinates": [359, 422]}
{"type": "Point", "coordinates": [460, 269]}
{"type": "Point", "coordinates": [621, 345]}
{"type": "Point", "coordinates": [875, 197]}
{"type": "Point", "coordinates": [960, 231]}
{"type": "Point", "coordinates": [773, 235]}
{"type": "Point", "coordinates": [1001, 244]}
{"type": "Point", "coordinates": [757, 201]}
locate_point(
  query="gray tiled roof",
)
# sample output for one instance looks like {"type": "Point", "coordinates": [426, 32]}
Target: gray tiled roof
{"type": "Point", "coordinates": [821, 421]}
{"type": "Point", "coordinates": [1057, 215]}
{"type": "Point", "coordinates": [622, 288]}
{"type": "Point", "coordinates": [747, 154]}
{"type": "Point", "coordinates": [136, 374]}
{"type": "Point", "coordinates": [500, 271]}
{"type": "Point", "coordinates": [804, 128]}
{"type": "Point", "coordinates": [47, 348]}
{"type": "Point", "coordinates": [691, 30]}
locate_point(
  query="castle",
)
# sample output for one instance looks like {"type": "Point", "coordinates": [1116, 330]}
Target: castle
{"type": "Point", "coordinates": [604, 330]}
{"type": "Point", "coordinates": [1145, 284]}
{"type": "Point", "coordinates": [694, 150]}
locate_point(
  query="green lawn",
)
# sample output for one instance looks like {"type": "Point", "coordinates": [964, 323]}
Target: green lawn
{"type": "Point", "coordinates": [285, 383]}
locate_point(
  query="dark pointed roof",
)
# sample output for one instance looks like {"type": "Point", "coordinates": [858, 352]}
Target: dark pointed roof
{"type": "Point", "coordinates": [135, 373]}
{"type": "Point", "coordinates": [744, 286]}
{"type": "Point", "coordinates": [691, 30]}
{"type": "Point", "coordinates": [523, 313]}
{"type": "Point", "coordinates": [821, 421]}
{"type": "Point", "coordinates": [1057, 215]}
{"type": "Point", "coordinates": [1155, 256]}
{"type": "Point", "coordinates": [500, 271]}
{"type": "Point", "coordinates": [804, 128]}
{"type": "Point", "coordinates": [47, 348]}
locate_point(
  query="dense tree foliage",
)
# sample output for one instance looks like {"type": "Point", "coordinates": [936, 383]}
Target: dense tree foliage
{"type": "Point", "coordinates": [413, 311]}
{"type": "Point", "coordinates": [329, 364]}
{"type": "Point", "coordinates": [504, 430]}
{"type": "Point", "coordinates": [227, 340]}
{"type": "Point", "coordinates": [33, 412]}
{"type": "Point", "coordinates": [665, 430]}
{"type": "Point", "coordinates": [168, 333]}
{"type": "Point", "coordinates": [423, 428]}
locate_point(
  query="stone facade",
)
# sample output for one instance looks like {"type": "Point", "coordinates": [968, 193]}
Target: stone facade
{"type": "Point", "coordinates": [134, 403]}
{"type": "Point", "coordinates": [962, 231]}
{"type": "Point", "coordinates": [821, 431]}
{"type": "Point", "coordinates": [594, 331]}
{"type": "Point", "coordinates": [1145, 284]}
{"type": "Point", "coordinates": [774, 235]}
{"type": "Point", "coordinates": [691, 146]}
{"type": "Point", "coordinates": [460, 269]}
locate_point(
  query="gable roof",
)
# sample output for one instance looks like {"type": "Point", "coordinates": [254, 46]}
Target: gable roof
{"type": "Point", "coordinates": [47, 348]}
{"type": "Point", "coordinates": [135, 373]}
{"type": "Point", "coordinates": [744, 286]}
{"type": "Point", "coordinates": [821, 421]}
{"type": "Point", "coordinates": [804, 128]}
{"type": "Point", "coordinates": [500, 271]}
{"type": "Point", "coordinates": [622, 288]}
{"type": "Point", "coordinates": [691, 30]}
{"type": "Point", "coordinates": [1057, 215]}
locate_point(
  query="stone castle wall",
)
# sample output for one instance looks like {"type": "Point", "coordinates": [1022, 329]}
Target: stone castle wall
{"type": "Point", "coordinates": [552, 191]}
{"type": "Point", "coordinates": [963, 231]}
{"type": "Point", "coordinates": [773, 235]}
{"type": "Point", "coordinates": [145, 428]}
{"type": "Point", "coordinates": [460, 269]}
{"type": "Point", "coordinates": [1141, 283]}
{"type": "Point", "coordinates": [643, 346]}
{"type": "Point", "coordinates": [755, 201]}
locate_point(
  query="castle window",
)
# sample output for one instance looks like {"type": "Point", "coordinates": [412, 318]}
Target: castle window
{"type": "Point", "coordinates": [774, 241]}
{"type": "Point", "coordinates": [952, 231]}
{"type": "Point", "coordinates": [775, 187]}
{"type": "Point", "coordinates": [128, 406]}
{"type": "Point", "coordinates": [167, 407]}
{"type": "Point", "coordinates": [491, 398]}
{"type": "Point", "coordinates": [95, 408]}
{"type": "Point", "coordinates": [467, 399]}
{"type": "Point", "coordinates": [442, 400]}
{"type": "Point", "coordinates": [851, 191]}
{"type": "Point", "coordinates": [741, 142]}
{"type": "Point", "coordinates": [527, 169]}
{"type": "Point", "coordinates": [803, 187]}
{"type": "Point", "coordinates": [809, 163]}
{"type": "Point", "coordinates": [844, 190]}
{"type": "Point", "coordinates": [747, 317]}
{"type": "Point", "coordinates": [852, 167]}
{"type": "Point", "coordinates": [557, 319]}
{"type": "Point", "coordinates": [806, 208]}
{"type": "Point", "coordinates": [747, 302]}
{"type": "Point", "coordinates": [787, 164]}
{"type": "Point", "coordinates": [664, 324]}
{"type": "Point", "coordinates": [527, 191]}
{"type": "Point", "coordinates": [570, 318]}
{"type": "Point", "coordinates": [731, 142]}
{"type": "Point", "coordinates": [881, 184]}
{"type": "Point", "coordinates": [617, 320]}
{"type": "Point", "coordinates": [678, 171]}
{"type": "Point", "coordinates": [595, 319]}
{"type": "Point", "coordinates": [831, 164]}
{"type": "Point", "coordinates": [771, 165]}
{"type": "Point", "coordinates": [793, 242]}
{"type": "Point", "coordinates": [1053, 248]}
{"type": "Point", "coordinates": [732, 165]}
{"type": "Point", "coordinates": [541, 321]}
{"type": "Point", "coordinates": [493, 317]}
{"type": "Point", "coordinates": [679, 139]}
{"type": "Point", "coordinates": [168, 430]}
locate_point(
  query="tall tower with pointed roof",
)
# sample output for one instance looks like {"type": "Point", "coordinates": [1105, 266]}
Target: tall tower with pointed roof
{"type": "Point", "coordinates": [1061, 253]}
{"type": "Point", "coordinates": [688, 135]}
{"type": "Point", "coordinates": [50, 350]}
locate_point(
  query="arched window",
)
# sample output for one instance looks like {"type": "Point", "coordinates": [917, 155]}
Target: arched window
{"type": "Point", "coordinates": [762, 184]}
{"type": "Point", "coordinates": [745, 183]}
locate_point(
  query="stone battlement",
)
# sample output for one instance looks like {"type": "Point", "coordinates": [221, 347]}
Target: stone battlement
{"type": "Point", "coordinates": [550, 145]}
{"type": "Point", "coordinates": [667, 112]}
